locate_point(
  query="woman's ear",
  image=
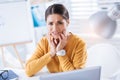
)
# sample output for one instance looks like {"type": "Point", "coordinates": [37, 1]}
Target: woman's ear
{"type": "Point", "coordinates": [68, 21]}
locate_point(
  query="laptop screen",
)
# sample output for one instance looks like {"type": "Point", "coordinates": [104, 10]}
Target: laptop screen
{"type": "Point", "coordinates": [89, 73]}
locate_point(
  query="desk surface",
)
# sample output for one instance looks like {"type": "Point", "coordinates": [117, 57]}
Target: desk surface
{"type": "Point", "coordinates": [22, 75]}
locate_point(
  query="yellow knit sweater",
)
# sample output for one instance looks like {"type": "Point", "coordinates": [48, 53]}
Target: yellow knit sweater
{"type": "Point", "coordinates": [75, 57]}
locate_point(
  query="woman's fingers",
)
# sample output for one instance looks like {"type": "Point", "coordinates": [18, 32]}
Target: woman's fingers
{"type": "Point", "coordinates": [60, 38]}
{"type": "Point", "coordinates": [51, 44]}
{"type": "Point", "coordinates": [50, 40]}
{"type": "Point", "coordinates": [63, 36]}
{"type": "Point", "coordinates": [55, 41]}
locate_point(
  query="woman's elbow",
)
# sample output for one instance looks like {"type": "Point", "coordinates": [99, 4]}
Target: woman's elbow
{"type": "Point", "coordinates": [29, 74]}
{"type": "Point", "coordinates": [28, 71]}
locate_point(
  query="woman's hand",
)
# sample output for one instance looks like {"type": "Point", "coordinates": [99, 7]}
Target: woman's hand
{"type": "Point", "coordinates": [52, 45]}
{"type": "Point", "coordinates": [62, 41]}
{"type": "Point", "coordinates": [57, 44]}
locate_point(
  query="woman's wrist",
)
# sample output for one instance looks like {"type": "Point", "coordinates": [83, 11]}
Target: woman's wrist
{"type": "Point", "coordinates": [52, 53]}
{"type": "Point", "coordinates": [61, 52]}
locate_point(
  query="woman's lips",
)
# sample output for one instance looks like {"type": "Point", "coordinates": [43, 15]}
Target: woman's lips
{"type": "Point", "coordinates": [55, 33]}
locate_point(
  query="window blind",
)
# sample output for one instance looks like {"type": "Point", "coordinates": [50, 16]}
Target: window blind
{"type": "Point", "coordinates": [79, 14]}
{"type": "Point", "coordinates": [82, 9]}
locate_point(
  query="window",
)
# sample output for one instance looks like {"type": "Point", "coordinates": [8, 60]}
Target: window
{"type": "Point", "coordinates": [82, 9]}
{"type": "Point", "coordinates": [80, 12]}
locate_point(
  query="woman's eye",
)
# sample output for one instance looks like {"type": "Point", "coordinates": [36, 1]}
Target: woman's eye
{"type": "Point", "coordinates": [60, 22]}
{"type": "Point", "coordinates": [50, 23]}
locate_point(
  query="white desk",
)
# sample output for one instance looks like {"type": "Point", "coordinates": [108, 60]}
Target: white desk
{"type": "Point", "coordinates": [22, 75]}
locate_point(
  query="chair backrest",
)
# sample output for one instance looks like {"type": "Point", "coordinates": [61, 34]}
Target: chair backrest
{"type": "Point", "coordinates": [105, 55]}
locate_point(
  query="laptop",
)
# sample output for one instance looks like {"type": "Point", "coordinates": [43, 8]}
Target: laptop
{"type": "Point", "coordinates": [89, 73]}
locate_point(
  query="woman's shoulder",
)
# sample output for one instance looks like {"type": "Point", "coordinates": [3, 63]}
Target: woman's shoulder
{"type": "Point", "coordinates": [77, 38]}
{"type": "Point", "coordinates": [43, 40]}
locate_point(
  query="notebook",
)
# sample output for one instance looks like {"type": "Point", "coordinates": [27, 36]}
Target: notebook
{"type": "Point", "coordinates": [8, 75]}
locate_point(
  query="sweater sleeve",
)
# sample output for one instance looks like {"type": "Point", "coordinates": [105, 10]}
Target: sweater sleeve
{"type": "Point", "coordinates": [80, 56]}
{"type": "Point", "coordinates": [78, 61]}
{"type": "Point", "coordinates": [38, 60]}
{"type": "Point", "coordinates": [65, 63]}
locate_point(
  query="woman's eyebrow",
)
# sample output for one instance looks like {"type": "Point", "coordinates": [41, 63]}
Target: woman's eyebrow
{"type": "Point", "coordinates": [60, 21]}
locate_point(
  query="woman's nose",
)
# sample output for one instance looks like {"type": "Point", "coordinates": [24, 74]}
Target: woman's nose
{"type": "Point", "coordinates": [55, 27]}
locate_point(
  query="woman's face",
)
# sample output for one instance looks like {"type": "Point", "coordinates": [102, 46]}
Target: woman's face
{"type": "Point", "coordinates": [56, 25]}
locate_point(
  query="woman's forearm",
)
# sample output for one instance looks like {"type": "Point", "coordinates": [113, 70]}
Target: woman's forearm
{"type": "Point", "coordinates": [35, 65]}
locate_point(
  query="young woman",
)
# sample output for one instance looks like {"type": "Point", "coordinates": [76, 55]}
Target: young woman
{"type": "Point", "coordinates": [60, 50]}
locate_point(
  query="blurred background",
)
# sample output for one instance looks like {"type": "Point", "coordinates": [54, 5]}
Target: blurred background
{"type": "Point", "coordinates": [80, 12]}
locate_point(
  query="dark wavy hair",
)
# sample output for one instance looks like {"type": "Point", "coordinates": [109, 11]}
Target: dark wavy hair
{"type": "Point", "coordinates": [57, 9]}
